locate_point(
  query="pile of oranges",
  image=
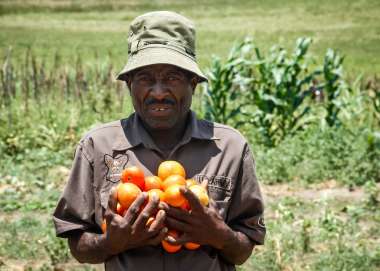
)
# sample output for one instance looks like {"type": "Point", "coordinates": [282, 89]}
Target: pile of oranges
{"type": "Point", "coordinates": [166, 186]}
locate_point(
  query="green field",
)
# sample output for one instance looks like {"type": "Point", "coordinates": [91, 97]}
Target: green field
{"type": "Point", "coordinates": [321, 185]}
{"type": "Point", "coordinates": [87, 27]}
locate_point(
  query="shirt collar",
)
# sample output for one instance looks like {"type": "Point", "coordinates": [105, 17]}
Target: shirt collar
{"type": "Point", "coordinates": [133, 132]}
{"type": "Point", "coordinates": [199, 129]}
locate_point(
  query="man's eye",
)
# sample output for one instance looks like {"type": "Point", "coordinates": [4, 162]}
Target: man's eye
{"type": "Point", "coordinates": [143, 78]}
{"type": "Point", "coordinates": [174, 77]}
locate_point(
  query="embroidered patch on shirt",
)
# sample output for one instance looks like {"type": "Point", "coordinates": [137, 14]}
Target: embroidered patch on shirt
{"type": "Point", "coordinates": [218, 182]}
{"type": "Point", "coordinates": [115, 166]}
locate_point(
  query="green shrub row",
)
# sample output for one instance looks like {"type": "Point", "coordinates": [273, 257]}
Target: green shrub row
{"type": "Point", "coordinates": [304, 120]}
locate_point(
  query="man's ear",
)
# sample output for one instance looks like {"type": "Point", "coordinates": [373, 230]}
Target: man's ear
{"type": "Point", "coordinates": [128, 82]}
{"type": "Point", "coordinates": [194, 82]}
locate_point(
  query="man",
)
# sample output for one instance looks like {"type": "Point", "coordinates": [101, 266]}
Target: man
{"type": "Point", "coordinates": [162, 74]}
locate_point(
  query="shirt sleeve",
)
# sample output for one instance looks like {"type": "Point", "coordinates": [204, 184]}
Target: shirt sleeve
{"type": "Point", "coordinates": [247, 208]}
{"type": "Point", "coordinates": [75, 208]}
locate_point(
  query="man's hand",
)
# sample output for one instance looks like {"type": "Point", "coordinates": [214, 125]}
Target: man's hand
{"type": "Point", "coordinates": [205, 226]}
{"type": "Point", "coordinates": [130, 231]}
{"type": "Point", "coordinates": [202, 225]}
{"type": "Point", "coordinates": [123, 232]}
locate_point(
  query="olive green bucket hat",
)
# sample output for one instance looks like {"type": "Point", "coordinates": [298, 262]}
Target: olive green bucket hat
{"type": "Point", "coordinates": [161, 37]}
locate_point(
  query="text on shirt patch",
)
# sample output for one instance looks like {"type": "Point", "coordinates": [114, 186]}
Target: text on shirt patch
{"type": "Point", "coordinates": [115, 166]}
{"type": "Point", "coordinates": [218, 182]}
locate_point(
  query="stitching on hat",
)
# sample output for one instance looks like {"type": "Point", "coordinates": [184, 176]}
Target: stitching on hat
{"type": "Point", "coordinates": [155, 42]}
{"type": "Point", "coordinates": [187, 50]}
{"type": "Point", "coordinates": [140, 45]}
{"type": "Point", "coordinates": [168, 47]}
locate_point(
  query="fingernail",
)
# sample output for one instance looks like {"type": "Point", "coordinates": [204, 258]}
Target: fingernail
{"type": "Point", "coordinates": [161, 213]}
{"type": "Point", "coordinates": [155, 198]}
{"type": "Point", "coordinates": [162, 206]}
{"type": "Point", "coordinates": [165, 230]}
{"type": "Point", "coordinates": [170, 239]}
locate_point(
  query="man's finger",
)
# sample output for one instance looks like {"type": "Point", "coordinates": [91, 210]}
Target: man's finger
{"type": "Point", "coordinates": [178, 214]}
{"type": "Point", "coordinates": [156, 240]}
{"type": "Point", "coordinates": [194, 202]}
{"type": "Point", "coordinates": [178, 225]}
{"type": "Point", "coordinates": [204, 184]}
{"type": "Point", "coordinates": [212, 205]}
{"type": "Point", "coordinates": [158, 222]}
{"type": "Point", "coordinates": [181, 240]}
{"type": "Point", "coordinates": [133, 210]}
{"type": "Point", "coordinates": [112, 205]}
{"type": "Point", "coordinates": [112, 200]}
{"type": "Point", "coordinates": [146, 213]}
{"type": "Point", "coordinates": [163, 206]}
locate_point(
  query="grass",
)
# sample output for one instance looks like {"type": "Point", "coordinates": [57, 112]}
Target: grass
{"type": "Point", "coordinates": [98, 26]}
{"type": "Point", "coordinates": [318, 234]}
{"type": "Point", "coordinates": [305, 232]}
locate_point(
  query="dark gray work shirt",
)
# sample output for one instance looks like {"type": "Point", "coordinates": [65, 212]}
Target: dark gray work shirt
{"type": "Point", "coordinates": [208, 151]}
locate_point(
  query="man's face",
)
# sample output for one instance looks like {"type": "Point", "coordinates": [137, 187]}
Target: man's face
{"type": "Point", "coordinates": [161, 95]}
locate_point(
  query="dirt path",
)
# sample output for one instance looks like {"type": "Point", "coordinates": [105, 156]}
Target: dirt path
{"type": "Point", "coordinates": [326, 190]}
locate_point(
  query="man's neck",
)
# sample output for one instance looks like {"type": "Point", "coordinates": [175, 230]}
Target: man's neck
{"type": "Point", "coordinates": [166, 140]}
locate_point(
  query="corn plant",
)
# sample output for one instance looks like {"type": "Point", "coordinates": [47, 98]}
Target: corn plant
{"type": "Point", "coordinates": [274, 92]}
{"type": "Point", "coordinates": [267, 92]}
{"type": "Point", "coordinates": [280, 86]}
{"type": "Point", "coordinates": [373, 88]}
{"type": "Point", "coordinates": [222, 95]}
{"type": "Point", "coordinates": [333, 85]}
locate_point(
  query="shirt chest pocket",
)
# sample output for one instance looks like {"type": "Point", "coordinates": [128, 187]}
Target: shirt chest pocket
{"type": "Point", "coordinates": [219, 187]}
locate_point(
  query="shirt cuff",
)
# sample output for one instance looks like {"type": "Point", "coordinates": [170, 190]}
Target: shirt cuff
{"type": "Point", "coordinates": [255, 234]}
{"type": "Point", "coordinates": [62, 228]}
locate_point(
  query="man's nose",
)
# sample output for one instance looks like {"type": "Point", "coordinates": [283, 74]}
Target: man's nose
{"type": "Point", "coordinates": [159, 90]}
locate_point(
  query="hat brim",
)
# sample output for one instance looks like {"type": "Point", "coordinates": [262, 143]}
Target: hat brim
{"type": "Point", "coordinates": [160, 55]}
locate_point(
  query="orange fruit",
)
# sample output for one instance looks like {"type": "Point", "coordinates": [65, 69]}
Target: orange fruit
{"type": "Point", "coordinates": [186, 206]}
{"type": "Point", "coordinates": [173, 179]}
{"type": "Point", "coordinates": [159, 193]}
{"type": "Point", "coordinates": [192, 246]}
{"type": "Point", "coordinates": [190, 182]}
{"type": "Point", "coordinates": [173, 196]}
{"type": "Point", "coordinates": [153, 182]}
{"type": "Point", "coordinates": [169, 247]}
{"type": "Point", "coordinates": [167, 168]}
{"type": "Point", "coordinates": [127, 193]}
{"type": "Point", "coordinates": [201, 194]}
{"type": "Point", "coordinates": [120, 209]}
{"type": "Point", "coordinates": [133, 175]}
{"type": "Point", "coordinates": [104, 226]}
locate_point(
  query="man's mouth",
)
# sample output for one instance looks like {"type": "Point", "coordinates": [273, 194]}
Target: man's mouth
{"type": "Point", "coordinates": [160, 110]}
{"type": "Point", "coordinates": [160, 107]}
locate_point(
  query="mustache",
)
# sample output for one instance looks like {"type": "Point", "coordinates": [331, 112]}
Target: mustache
{"type": "Point", "coordinates": [150, 101]}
